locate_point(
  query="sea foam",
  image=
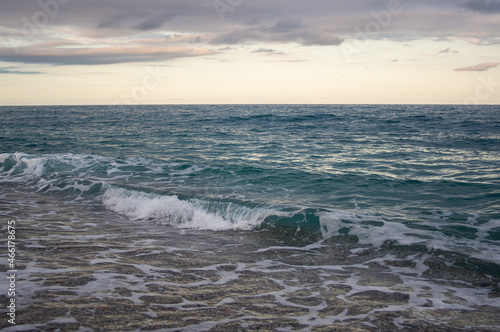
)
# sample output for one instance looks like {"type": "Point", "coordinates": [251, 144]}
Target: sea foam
{"type": "Point", "coordinates": [169, 209]}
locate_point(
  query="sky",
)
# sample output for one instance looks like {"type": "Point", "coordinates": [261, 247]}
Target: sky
{"type": "Point", "coordinates": [102, 52]}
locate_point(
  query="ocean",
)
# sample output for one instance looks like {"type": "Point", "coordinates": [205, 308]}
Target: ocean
{"type": "Point", "coordinates": [251, 217]}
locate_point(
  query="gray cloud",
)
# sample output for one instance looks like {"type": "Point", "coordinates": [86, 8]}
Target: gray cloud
{"type": "Point", "coordinates": [268, 51]}
{"type": "Point", "coordinates": [317, 23]}
{"type": "Point", "coordinates": [480, 67]}
{"type": "Point", "coordinates": [285, 26]}
{"type": "Point", "coordinates": [153, 22]}
{"type": "Point", "coordinates": [97, 56]}
{"type": "Point", "coordinates": [282, 31]}
{"type": "Point", "coordinates": [236, 37]}
{"type": "Point", "coordinates": [448, 50]}
{"type": "Point", "coordinates": [264, 50]}
{"type": "Point", "coordinates": [8, 70]}
{"type": "Point", "coordinates": [115, 22]}
{"type": "Point", "coordinates": [196, 40]}
{"type": "Point", "coordinates": [482, 6]}
{"type": "Point", "coordinates": [323, 39]}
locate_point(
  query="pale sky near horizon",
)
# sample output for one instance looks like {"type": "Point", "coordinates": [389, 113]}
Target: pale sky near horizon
{"type": "Point", "coordinates": [70, 52]}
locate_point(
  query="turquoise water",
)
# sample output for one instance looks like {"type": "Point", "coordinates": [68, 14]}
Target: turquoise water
{"type": "Point", "coordinates": [432, 165]}
{"type": "Point", "coordinates": [381, 176]}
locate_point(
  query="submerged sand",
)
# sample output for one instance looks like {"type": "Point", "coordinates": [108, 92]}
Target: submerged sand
{"type": "Point", "coordinates": [81, 270]}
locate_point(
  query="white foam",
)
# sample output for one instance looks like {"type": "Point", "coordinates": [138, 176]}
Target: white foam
{"type": "Point", "coordinates": [50, 169]}
{"type": "Point", "coordinates": [185, 214]}
{"type": "Point", "coordinates": [33, 167]}
{"type": "Point", "coordinates": [376, 235]}
{"type": "Point", "coordinates": [332, 221]}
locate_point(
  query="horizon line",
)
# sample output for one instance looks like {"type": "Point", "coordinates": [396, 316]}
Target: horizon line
{"type": "Point", "coordinates": [247, 104]}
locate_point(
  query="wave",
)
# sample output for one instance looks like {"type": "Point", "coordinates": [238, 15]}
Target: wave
{"type": "Point", "coordinates": [110, 182]}
{"type": "Point", "coordinates": [300, 227]}
{"type": "Point", "coordinates": [19, 167]}
{"type": "Point", "coordinates": [221, 215]}
{"type": "Point", "coordinates": [305, 226]}
{"type": "Point", "coordinates": [143, 190]}
{"type": "Point", "coordinates": [72, 176]}
{"type": "Point", "coordinates": [193, 213]}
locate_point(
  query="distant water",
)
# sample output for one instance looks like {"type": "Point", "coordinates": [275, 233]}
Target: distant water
{"type": "Point", "coordinates": [413, 182]}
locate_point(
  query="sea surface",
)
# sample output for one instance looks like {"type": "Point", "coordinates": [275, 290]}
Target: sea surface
{"type": "Point", "coordinates": [246, 217]}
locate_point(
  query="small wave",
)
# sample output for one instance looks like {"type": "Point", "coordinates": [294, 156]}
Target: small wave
{"type": "Point", "coordinates": [308, 224]}
{"type": "Point", "coordinates": [194, 213]}
{"type": "Point", "coordinates": [224, 215]}
{"type": "Point", "coordinates": [19, 167]}
{"type": "Point", "coordinates": [69, 174]}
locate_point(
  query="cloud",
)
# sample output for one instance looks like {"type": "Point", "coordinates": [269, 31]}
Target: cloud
{"type": "Point", "coordinates": [482, 6]}
{"type": "Point", "coordinates": [480, 67]}
{"type": "Point", "coordinates": [153, 22]}
{"type": "Point", "coordinates": [264, 50]}
{"type": "Point", "coordinates": [285, 26]}
{"type": "Point", "coordinates": [448, 50]}
{"type": "Point", "coordinates": [285, 31]}
{"type": "Point", "coordinates": [267, 51]}
{"type": "Point", "coordinates": [323, 39]}
{"type": "Point", "coordinates": [115, 22]}
{"type": "Point", "coordinates": [196, 40]}
{"type": "Point", "coordinates": [97, 56]}
{"type": "Point", "coordinates": [8, 70]}
{"type": "Point", "coordinates": [236, 37]}
{"type": "Point", "coordinates": [326, 23]}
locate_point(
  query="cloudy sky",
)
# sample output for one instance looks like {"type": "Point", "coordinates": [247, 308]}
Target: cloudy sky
{"type": "Point", "coordinates": [249, 51]}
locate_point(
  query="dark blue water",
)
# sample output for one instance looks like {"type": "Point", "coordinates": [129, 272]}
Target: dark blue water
{"type": "Point", "coordinates": [421, 176]}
